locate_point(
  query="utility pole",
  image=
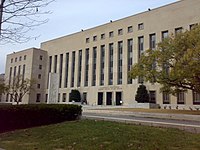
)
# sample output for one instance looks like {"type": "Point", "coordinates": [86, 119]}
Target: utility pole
{"type": "Point", "coordinates": [1, 13]}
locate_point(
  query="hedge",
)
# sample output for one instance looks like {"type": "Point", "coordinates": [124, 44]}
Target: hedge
{"type": "Point", "coordinates": [23, 116]}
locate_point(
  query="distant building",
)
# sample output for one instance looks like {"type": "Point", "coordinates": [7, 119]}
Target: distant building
{"type": "Point", "coordinates": [96, 61]}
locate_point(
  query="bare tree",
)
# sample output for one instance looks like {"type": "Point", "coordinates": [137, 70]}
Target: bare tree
{"type": "Point", "coordinates": [19, 88]}
{"type": "Point", "coordinates": [17, 17]}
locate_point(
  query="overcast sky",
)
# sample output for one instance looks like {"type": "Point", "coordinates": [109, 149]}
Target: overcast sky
{"type": "Point", "coordinates": [69, 16]}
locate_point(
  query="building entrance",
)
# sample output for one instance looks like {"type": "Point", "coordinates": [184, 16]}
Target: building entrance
{"type": "Point", "coordinates": [109, 98]}
{"type": "Point", "coordinates": [118, 98]}
{"type": "Point", "coordinates": [100, 98]}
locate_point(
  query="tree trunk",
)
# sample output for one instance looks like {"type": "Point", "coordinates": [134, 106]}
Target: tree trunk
{"type": "Point", "coordinates": [1, 14]}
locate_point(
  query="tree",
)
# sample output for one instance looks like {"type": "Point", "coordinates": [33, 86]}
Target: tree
{"type": "Point", "coordinates": [17, 17]}
{"type": "Point", "coordinates": [75, 96]}
{"type": "Point", "coordinates": [174, 64]}
{"type": "Point", "coordinates": [142, 95]}
{"type": "Point", "coordinates": [19, 87]}
{"type": "Point", "coordinates": [2, 86]}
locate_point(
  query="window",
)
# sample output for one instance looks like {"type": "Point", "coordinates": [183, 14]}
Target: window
{"type": "Point", "coordinates": [38, 97]}
{"type": "Point", "coordinates": [46, 98]}
{"type": "Point", "coordinates": [79, 68]}
{"type": "Point", "coordinates": [11, 97]}
{"type": "Point", "coordinates": [111, 34]}
{"type": "Point", "coordinates": [14, 75]}
{"type": "Point", "coordinates": [55, 63]}
{"type": "Point", "coordinates": [95, 38]}
{"type": "Point", "coordinates": [130, 29]}
{"type": "Point", "coordinates": [20, 58]}
{"type": "Point", "coordinates": [140, 46]}
{"type": "Point", "coordinates": [41, 57]}
{"type": "Point", "coordinates": [110, 72]}
{"type": "Point", "coordinates": [40, 67]}
{"type": "Point", "coordinates": [102, 36]}
{"type": "Point", "coordinates": [58, 97]}
{"type": "Point", "coordinates": [178, 30]}
{"type": "Point", "coordinates": [24, 57]}
{"type": "Point", "coordinates": [152, 95]}
{"type": "Point", "coordinates": [141, 26]}
{"type": "Point", "coordinates": [39, 76]}
{"type": "Point", "coordinates": [120, 31]}
{"type": "Point", "coordinates": [120, 56]}
{"type": "Point", "coordinates": [181, 97]}
{"type": "Point", "coordinates": [38, 86]}
{"type": "Point", "coordinates": [192, 26]}
{"type": "Point", "coordinates": [164, 34]}
{"type": "Point", "coordinates": [19, 72]}
{"type": "Point", "coordinates": [11, 60]}
{"type": "Point", "coordinates": [50, 65]}
{"type": "Point", "coordinates": [10, 76]}
{"type": "Point", "coordinates": [94, 66]}
{"type": "Point", "coordinates": [130, 57]}
{"type": "Point", "coordinates": [66, 69]}
{"type": "Point", "coordinates": [23, 72]}
{"type": "Point", "coordinates": [87, 40]}
{"type": "Point", "coordinates": [86, 66]}
{"type": "Point", "coordinates": [16, 59]}
{"type": "Point", "coordinates": [166, 98]}
{"type": "Point", "coordinates": [73, 69]}
{"type": "Point", "coordinates": [102, 64]}
{"type": "Point", "coordinates": [7, 95]}
{"type": "Point", "coordinates": [152, 41]}
{"type": "Point", "coordinates": [196, 98]}
{"type": "Point", "coordinates": [64, 97]}
{"type": "Point", "coordinates": [60, 70]}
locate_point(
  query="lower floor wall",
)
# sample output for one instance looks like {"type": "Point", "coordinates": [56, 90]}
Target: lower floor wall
{"type": "Point", "coordinates": [120, 95]}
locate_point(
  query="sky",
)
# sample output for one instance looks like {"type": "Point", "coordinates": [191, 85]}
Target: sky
{"type": "Point", "coordinates": [70, 16]}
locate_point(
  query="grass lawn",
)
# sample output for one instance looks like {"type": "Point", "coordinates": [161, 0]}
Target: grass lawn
{"type": "Point", "coordinates": [169, 111]}
{"type": "Point", "coordinates": [94, 135]}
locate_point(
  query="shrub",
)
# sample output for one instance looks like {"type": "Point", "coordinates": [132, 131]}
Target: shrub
{"type": "Point", "coordinates": [75, 96]}
{"type": "Point", "coordinates": [22, 116]}
{"type": "Point", "coordinates": [142, 95]}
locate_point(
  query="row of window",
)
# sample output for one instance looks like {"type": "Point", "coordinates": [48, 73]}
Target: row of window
{"type": "Point", "coordinates": [181, 98]}
{"type": "Point", "coordinates": [119, 32]}
{"type": "Point", "coordinates": [24, 58]}
{"type": "Point", "coordinates": [20, 58]}
{"type": "Point", "coordinates": [130, 30]}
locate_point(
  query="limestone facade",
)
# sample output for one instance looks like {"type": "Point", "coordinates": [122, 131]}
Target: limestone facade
{"type": "Point", "coordinates": [96, 61]}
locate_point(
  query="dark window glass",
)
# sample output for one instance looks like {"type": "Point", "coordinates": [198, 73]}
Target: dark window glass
{"type": "Point", "coordinates": [73, 69]}
{"type": "Point", "coordinates": [55, 63]}
{"type": "Point", "coordinates": [102, 64]}
{"type": "Point", "coordinates": [120, 59]}
{"type": "Point", "coordinates": [110, 71]}
{"type": "Point", "coordinates": [66, 69]}
{"type": "Point", "coordinates": [130, 57]}
{"type": "Point", "coordinates": [86, 66]}
{"type": "Point", "coordinates": [94, 65]}
{"type": "Point", "coordinates": [60, 70]}
{"type": "Point", "coordinates": [181, 97]}
{"type": "Point", "coordinates": [79, 67]}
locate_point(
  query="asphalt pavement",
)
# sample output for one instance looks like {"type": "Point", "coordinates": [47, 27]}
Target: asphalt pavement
{"type": "Point", "coordinates": [189, 123]}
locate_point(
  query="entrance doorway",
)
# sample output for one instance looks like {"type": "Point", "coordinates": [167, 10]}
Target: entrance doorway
{"type": "Point", "coordinates": [109, 98]}
{"type": "Point", "coordinates": [118, 98]}
{"type": "Point", "coordinates": [100, 98]}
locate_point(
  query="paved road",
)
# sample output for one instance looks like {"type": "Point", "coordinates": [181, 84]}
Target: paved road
{"type": "Point", "coordinates": [191, 126]}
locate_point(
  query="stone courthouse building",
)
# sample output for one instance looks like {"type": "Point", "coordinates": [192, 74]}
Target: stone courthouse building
{"type": "Point", "coordinates": [96, 61]}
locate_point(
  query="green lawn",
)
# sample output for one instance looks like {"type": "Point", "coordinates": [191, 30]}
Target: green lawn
{"type": "Point", "coordinates": [94, 135]}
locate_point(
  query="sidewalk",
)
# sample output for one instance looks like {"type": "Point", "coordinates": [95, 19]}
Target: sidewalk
{"type": "Point", "coordinates": [108, 110]}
